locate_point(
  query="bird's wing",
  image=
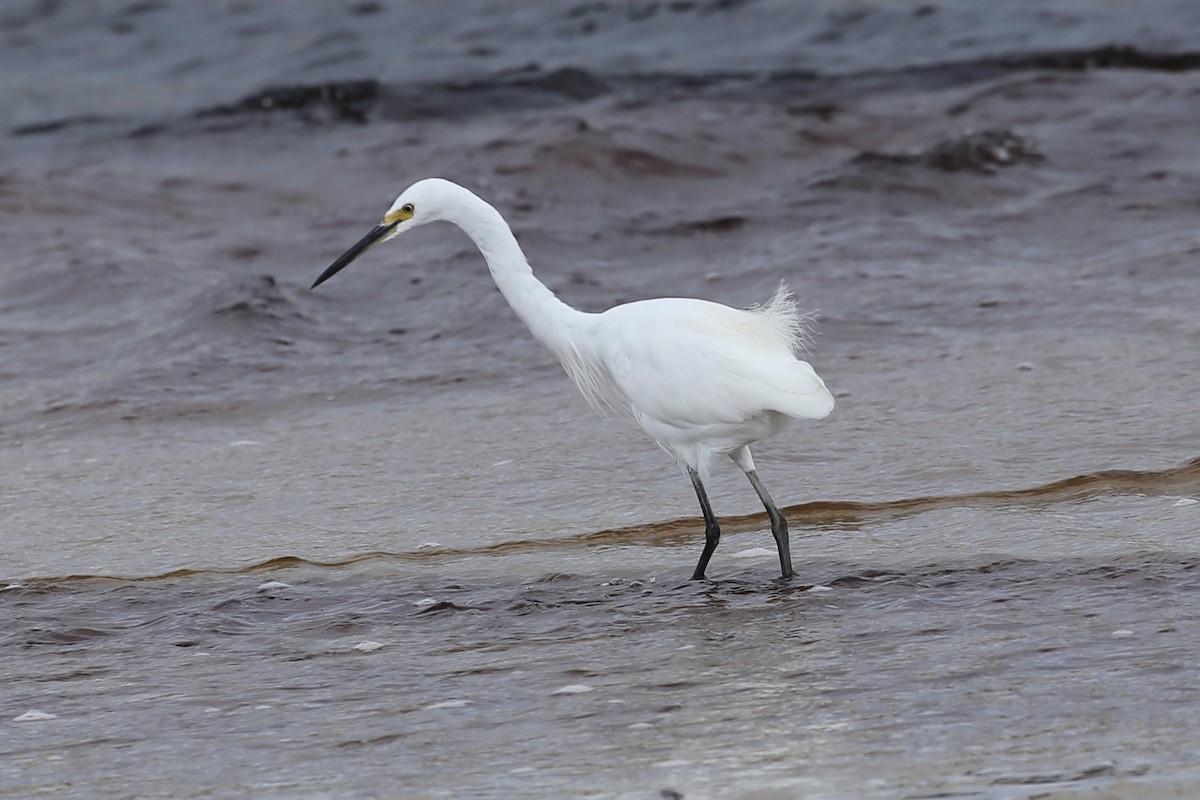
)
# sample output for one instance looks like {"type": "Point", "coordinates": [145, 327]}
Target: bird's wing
{"type": "Point", "coordinates": [698, 363]}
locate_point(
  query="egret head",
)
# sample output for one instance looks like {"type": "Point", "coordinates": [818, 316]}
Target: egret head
{"type": "Point", "coordinates": [424, 202]}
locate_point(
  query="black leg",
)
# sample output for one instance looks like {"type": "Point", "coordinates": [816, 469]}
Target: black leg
{"type": "Point", "coordinates": [778, 525]}
{"type": "Point", "coordinates": [712, 531]}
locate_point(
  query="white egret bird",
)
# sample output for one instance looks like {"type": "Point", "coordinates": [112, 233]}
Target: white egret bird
{"type": "Point", "coordinates": [701, 378]}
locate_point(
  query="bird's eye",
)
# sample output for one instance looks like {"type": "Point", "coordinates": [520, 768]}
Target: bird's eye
{"type": "Point", "coordinates": [407, 208]}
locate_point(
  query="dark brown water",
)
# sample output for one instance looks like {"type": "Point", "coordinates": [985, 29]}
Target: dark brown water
{"type": "Point", "coordinates": [367, 541]}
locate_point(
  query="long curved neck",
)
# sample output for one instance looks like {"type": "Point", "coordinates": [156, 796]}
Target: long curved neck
{"type": "Point", "coordinates": [549, 319]}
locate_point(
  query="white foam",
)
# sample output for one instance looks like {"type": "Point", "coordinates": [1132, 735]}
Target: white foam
{"type": "Point", "coordinates": [449, 704]}
{"type": "Point", "coordinates": [574, 688]}
{"type": "Point", "coordinates": [33, 715]}
{"type": "Point", "coordinates": [753, 552]}
{"type": "Point", "coordinates": [369, 646]}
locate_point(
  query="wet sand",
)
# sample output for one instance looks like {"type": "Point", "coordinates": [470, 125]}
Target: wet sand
{"type": "Point", "coordinates": [368, 541]}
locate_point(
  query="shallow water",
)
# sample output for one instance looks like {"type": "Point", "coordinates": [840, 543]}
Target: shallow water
{"type": "Point", "coordinates": [466, 682]}
{"type": "Point", "coordinates": [216, 484]}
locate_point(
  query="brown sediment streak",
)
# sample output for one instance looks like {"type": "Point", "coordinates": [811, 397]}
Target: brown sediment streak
{"type": "Point", "coordinates": [1184, 479]}
{"type": "Point", "coordinates": [1181, 480]}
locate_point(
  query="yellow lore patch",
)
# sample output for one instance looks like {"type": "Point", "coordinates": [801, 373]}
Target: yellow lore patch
{"type": "Point", "coordinates": [399, 215]}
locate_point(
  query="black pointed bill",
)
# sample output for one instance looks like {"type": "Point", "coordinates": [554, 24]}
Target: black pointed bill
{"type": "Point", "coordinates": [377, 233]}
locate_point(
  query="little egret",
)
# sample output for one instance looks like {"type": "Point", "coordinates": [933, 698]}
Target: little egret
{"type": "Point", "coordinates": [701, 378]}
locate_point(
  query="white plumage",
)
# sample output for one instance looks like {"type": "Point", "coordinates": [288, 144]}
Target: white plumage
{"type": "Point", "coordinates": [701, 378]}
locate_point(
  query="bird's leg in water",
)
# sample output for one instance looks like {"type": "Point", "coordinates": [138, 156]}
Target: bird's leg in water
{"type": "Point", "coordinates": [712, 531]}
{"type": "Point", "coordinates": [779, 527]}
